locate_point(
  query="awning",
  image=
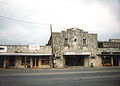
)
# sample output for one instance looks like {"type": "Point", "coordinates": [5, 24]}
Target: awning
{"type": "Point", "coordinates": [77, 53]}
{"type": "Point", "coordinates": [24, 54]}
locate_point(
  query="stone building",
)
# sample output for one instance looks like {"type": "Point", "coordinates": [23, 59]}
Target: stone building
{"type": "Point", "coordinates": [76, 47]}
{"type": "Point", "coordinates": [73, 47]}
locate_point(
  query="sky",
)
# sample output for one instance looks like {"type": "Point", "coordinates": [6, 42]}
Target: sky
{"type": "Point", "coordinates": [28, 21]}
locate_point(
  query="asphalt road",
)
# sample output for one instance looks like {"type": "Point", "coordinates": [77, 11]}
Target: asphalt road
{"type": "Point", "coordinates": [61, 77]}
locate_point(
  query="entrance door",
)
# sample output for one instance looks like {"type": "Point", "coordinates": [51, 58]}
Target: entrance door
{"type": "Point", "coordinates": [35, 62]}
{"type": "Point", "coordinates": [115, 61]}
{"type": "Point", "coordinates": [74, 60]}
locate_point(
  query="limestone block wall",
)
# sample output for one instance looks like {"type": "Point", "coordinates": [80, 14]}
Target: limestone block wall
{"type": "Point", "coordinates": [18, 62]}
{"type": "Point", "coordinates": [58, 48]}
{"type": "Point", "coordinates": [17, 48]}
{"type": "Point", "coordinates": [74, 38]}
{"type": "Point", "coordinates": [86, 61]}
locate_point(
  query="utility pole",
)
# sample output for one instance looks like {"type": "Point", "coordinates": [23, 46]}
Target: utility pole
{"type": "Point", "coordinates": [52, 44]}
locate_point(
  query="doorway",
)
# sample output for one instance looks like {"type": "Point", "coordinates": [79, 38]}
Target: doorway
{"type": "Point", "coordinates": [35, 62]}
{"type": "Point", "coordinates": [115, 60]}
{"type": "Point", "coordinates": [74, 60]}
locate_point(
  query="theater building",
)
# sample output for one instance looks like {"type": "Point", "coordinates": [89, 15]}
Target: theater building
{"type": "Point", "coordinates": [73, 47]}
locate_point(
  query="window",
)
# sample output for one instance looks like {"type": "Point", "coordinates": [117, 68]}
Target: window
{"type": "Point", "coordinates": [1, 48]}
{"type": "Point", "coordinates": [84, 41]}
{"type": "Point", "coordinates": [44, 60]}
{"type": "Point", "coordinates": [66, 42]}
{"type": "Point", "coordinates": [75, 40]}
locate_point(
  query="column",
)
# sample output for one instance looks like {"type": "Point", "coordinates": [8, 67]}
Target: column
{"type": "Point", "coordinates": [35, 62]}
{"type": "Point", "coordinates": [86, 61]}
{"type": "Point", "coordinates": [39, 61]}
{"type": "Point", "coordinates": [112, 60]}
{"type": "Point", "coordinates": [4, 62]}
{"type": "Point", "coordinates": [17, 62]}
{"type": "Point", "coordinates": [31, 63]}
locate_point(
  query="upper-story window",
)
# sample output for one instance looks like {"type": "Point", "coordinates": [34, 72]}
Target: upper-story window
{"type": "Point", "coordinates": [66, 42]}
{"type": "Point", "coordinates": [84, 41]}
{"type": "Point", "coordinates": [75, 40]}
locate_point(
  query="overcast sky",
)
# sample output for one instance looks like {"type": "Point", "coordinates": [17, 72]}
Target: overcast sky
{"type": "Point", "coordinates": [95, 16]}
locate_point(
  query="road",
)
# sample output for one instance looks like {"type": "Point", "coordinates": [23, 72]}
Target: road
{"type": "Point", "coordinates": [61, 77]}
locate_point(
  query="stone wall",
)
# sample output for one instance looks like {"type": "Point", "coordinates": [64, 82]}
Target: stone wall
{"type": "Point", "coordinates": [72, 40]}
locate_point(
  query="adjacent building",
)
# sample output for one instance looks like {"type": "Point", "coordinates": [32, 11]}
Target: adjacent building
{"type": "Point", "coordinates": [73, 47]}
{"type": "Point", "coordinates": [25, 56]}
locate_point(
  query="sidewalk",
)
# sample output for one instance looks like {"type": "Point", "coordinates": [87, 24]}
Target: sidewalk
{"type": "Point", "coordinates": [68, 68]}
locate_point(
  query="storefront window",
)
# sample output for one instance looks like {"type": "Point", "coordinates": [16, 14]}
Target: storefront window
{"type": "Point", "coordinates": [44, 60]}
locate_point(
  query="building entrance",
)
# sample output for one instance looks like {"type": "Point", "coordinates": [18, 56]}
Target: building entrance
{"type": "Point", "coordinates": [10, 61]}
{"type": "Point", "coordinates": [35, 62]}
{"type": "Point", "coordinates": [115, 60]}
{"type": "Point", "coordinates": [74, 60]}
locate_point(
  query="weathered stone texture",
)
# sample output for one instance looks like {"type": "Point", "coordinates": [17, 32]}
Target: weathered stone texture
{"type": "Point", "coordinates": [72, 41]}
{"type": "Point", "coordinates": [25, 49]}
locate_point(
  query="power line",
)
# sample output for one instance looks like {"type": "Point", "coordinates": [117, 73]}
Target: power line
{"type": "Point", "coordinates": [21, 20]}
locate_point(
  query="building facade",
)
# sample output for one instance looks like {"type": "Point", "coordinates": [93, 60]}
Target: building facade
{"type": "Point", "coordinates": [76, 47]}
{"type": "Point", "coordinates": [25, 56]}
{"type": "Point", "coordinates": [73, 47]}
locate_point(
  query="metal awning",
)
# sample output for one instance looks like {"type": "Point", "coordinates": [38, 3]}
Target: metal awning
{"type": "Point", "coordinates": [24, 54]}
{"type": "Point", "coordinates": [77, 53]}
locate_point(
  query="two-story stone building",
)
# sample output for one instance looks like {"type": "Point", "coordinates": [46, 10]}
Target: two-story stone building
{"type": "Point", "coordinates": [73, 47]}
{"type": "Point", "coordinates": [76, 47]}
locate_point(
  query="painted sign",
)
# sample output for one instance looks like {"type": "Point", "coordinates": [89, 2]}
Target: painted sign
{"type": "Point", "coordinates": [34, 47]}
{"type": "Point", "coordinates": [77, 53]}
{"type": "Point", "coordinates": [3, 48]}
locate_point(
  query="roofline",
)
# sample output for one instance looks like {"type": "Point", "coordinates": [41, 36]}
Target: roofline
{"type": "Point", "coordinates": [24, 54]}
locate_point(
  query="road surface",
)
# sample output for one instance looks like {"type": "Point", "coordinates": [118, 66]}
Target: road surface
{"type": "Point", "coordinates": [61, 77]}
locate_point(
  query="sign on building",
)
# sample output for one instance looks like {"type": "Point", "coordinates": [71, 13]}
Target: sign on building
{"type": "Point", "coordinates": [34, 47]}
{"type": "Point", "coordinates": [3, 48]}
{"type": "Point", "coordinates": [78, 53]}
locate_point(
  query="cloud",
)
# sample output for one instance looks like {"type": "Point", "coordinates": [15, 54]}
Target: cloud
{"type": "Point", "coordinates": [94, 16]}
